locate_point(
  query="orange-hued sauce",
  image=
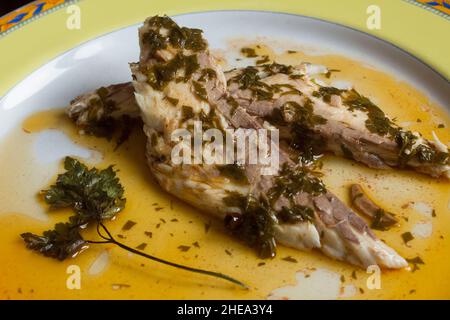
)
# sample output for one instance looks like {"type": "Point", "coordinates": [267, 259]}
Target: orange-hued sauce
{"type": "Point", "coordinates": [25, 274]}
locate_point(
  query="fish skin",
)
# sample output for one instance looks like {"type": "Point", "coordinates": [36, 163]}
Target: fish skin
{"type": "Point", "coordinates": [366, 206]}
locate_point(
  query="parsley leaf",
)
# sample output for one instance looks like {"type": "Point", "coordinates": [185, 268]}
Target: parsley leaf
{"type": "Point", "coordinates": [60, 243]}
{"type": "Point", "coordinates": [93, 194]}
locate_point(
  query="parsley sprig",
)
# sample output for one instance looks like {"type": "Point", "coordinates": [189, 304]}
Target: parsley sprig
{"type": "Point", "coordinates": [95, 196]}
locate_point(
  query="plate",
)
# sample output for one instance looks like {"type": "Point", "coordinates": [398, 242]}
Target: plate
{"type": "Point", "coordinates": [104, 60]}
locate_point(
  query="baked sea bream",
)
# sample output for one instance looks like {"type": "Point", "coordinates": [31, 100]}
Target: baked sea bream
{"type": "Point", "coordinates": [178, 84]}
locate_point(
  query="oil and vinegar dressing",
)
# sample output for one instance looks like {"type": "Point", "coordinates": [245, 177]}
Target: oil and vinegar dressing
{"type": "Point", "coordinates": [177, 232]}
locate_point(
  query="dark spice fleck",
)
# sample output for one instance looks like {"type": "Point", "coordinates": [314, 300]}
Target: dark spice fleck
{"type": "Point", "coordinates": [187, 112]}
{"type": "Point", "coordinates": [183, 248]}
{"type": "Point", "coordinates": [289, 259]}
{"type": "Point", "coordinates": [263, 60]}
{"type": "Point", "coordinates": [415, 262]}
{"type": "Point", "coordinates": [407, 237]}
{"type": "Point", "coordinates": [173, 101]}
{"type": "Point", "coordinates": [330, 71]}
{"type": "Point", "coordinates": [148, 234]}
{"type": "Point", "coordinates": [200, 91]}
{"type": "Point", "coordinates": [207, 226]}
{"type": "Point", "coordinates": [128, 225]}
{"type": "Point", "coordinates": [142, 246]}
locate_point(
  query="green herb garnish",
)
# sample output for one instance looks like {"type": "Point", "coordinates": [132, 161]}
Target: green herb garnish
{"type": "Point", "coordinates": [178, 37]}
{"type": "Point", "coordinates": [294, 180]}
{"type": "Point", "coordinates": [295, 214]}
{"type": "Point", "coordinates": [255, 226]}
{"type": "Point", "coordinates": [408, 150]}
{"type": "Point", "coordinates": [415, 262]}
{"type": "Point", "coordinates": [326, 92]}
{"type": "Point", "coordinates": [249, 78]}
{"type": "Point", "coordinates": [382, 220]}
{"type": "Point", "coordinates": [407, 237]}
{"type": "Point", "coordinates": [95, 196]}
{"type": "Point", "coordinates": [160, 74]}
{"type": "Point", "coordinates": [377, 121]}
{"type": "Point", "coordinates": [233, 171]}
{"type": "Point", "coordinates": [249, 52]}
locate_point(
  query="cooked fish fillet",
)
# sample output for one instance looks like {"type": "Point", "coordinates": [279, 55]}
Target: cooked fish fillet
{"type": "Point", "coordinates": [113, 102]}
{"type": "Point", "coordinates": [325, 118]}
{"type": "Point", "coordinates": [176, 82]}
{"type": "Point", "coordinates": [381, 219]}
{"type": "Point", "coordinates": [341, 121]}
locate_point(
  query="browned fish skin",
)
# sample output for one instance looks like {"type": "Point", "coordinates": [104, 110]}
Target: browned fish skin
{"type": "Point", "coordinates": [380, 218]}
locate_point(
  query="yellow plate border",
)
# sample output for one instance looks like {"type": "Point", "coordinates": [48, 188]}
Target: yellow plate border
{"type": "Point", "coordinates": [409, 27]}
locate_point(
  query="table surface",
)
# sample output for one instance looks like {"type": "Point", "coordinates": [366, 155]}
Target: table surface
{"type": "Point", "coordinates": [8, 6]}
